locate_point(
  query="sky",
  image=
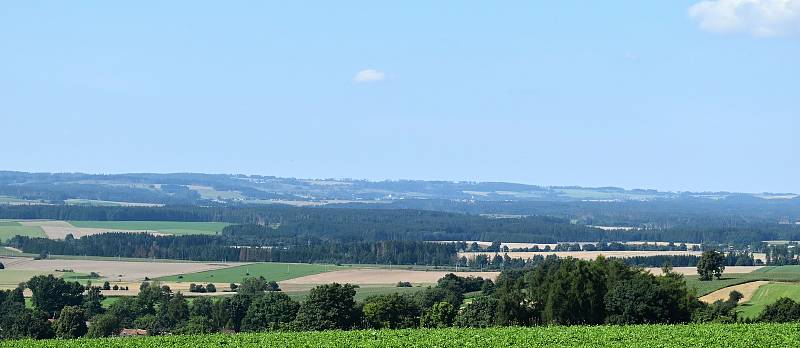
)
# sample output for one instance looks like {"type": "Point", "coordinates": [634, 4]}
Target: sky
{"type": "Point", "coordinates": [670, 95]}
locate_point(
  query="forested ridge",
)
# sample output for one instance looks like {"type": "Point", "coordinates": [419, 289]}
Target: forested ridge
{"type": "Point", "coordinates": [345, 225]}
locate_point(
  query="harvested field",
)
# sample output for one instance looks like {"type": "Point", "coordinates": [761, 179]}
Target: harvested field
{"type": "Point", "coordinates": [60, 229]}
{"type": "Point", "coordinates": [747, 290]}
{"type": "Point", "coordinates": [56, 229]}
{"type": "Point", "coordinates": [117, 270]}
{"type": "Point", "coordinates": [382, 276]}
{"type": "Point", "coordinates": [584, 255]}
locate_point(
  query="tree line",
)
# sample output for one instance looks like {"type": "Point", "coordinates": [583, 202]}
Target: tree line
{"type": "Point", "coordinates": [554, 292]}
{"type": "Point", "coordinates": [218, 248]}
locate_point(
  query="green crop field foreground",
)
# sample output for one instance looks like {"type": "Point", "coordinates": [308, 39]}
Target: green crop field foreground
{"type": "Point", "coordinates": [700, 335]}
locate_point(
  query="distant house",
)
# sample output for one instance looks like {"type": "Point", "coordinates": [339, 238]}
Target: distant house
{"type": "Point", "coordinates": [133, 332]}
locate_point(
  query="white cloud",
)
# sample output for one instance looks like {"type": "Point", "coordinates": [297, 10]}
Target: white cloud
{"type": "Point", "coordinates": [760, 18]}
{"type": "Point", "coordinates": [369, 75]}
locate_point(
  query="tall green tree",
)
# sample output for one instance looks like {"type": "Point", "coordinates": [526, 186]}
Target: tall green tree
{"type": "Point", "coordinates": [440, 315]}
{"type": "Point", "coordinates": [176, 312]}
{"type": "Point", "coordinates": [711, 265]}
{"type": "Point", "coordinates": [71, 323]}
{"type": "Point", "coordinates": [481, 312]}
{"type": "Point", "coordinates": [328, 307]}
{"type": "Point", "coordinates": [202, 307]}
{"type": "Point", "coordinates": [93, 302]}
{"type": "Point", "coordinates": [103, 325]}
{"type": "Point", "coordinates": [272, 310]}
{"type": "Point", "coordinates": [230, 311]}
{"type": "Point", "coordinates": [17, 322]}
{"type": "Point", "coordinates": [392, 311]}
{"type": "Point", "coordinates": [51, 294]}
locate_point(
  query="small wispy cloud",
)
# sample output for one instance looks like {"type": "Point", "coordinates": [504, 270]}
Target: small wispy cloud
{"type": "Point", "coordinates": [759, 18]}
{"type": "Point", "coordinates": [369, 75]}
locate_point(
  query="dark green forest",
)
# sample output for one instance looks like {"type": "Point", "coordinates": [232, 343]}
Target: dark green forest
{"type": "Point", "coordinates": [286, 224]}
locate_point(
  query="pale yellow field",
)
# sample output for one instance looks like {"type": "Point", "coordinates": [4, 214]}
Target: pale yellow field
{"type": "Point", "coordinates": [747, 290]}
{"type": "Point", "coordinates": [116, 270]}
{"type": "Point", "coordinates": [60, 229]}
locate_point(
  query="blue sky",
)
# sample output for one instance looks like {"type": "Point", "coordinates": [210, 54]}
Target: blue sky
{"type": "Point", "coordinates": [671, 95]}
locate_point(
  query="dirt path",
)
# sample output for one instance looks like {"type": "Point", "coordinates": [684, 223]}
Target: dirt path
{"type": "Point", "coordinates": [747, 290]}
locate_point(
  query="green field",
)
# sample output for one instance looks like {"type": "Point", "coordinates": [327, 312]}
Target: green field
{"type": "Point", "coordinates": [771, 273]}
{"type": "Point", "coordinates": [768, 294]}
{"type": "Point", "coordinates": [10, 278]}
{"type": "Point", "coordinates": [166, 227]}
{"type": "Point", "coordinates": [698, 335]}
{"type": "Point", "coordinates": [269, 270]}
{"type": "Point", "coordinates": [12, 200]}
{"type": "Point", "coordinates": [9, 229]}
{"type": "Point", "coordinates": [99, 203]}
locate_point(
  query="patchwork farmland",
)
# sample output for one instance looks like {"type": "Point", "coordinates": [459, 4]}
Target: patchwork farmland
{"type": "Point", "coordinates": [56, 229]}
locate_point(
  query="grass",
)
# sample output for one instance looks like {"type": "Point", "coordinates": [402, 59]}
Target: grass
{"type": "Point", "coordinates": [166, 227]}
{"type": "Point", "coordinates": [633, 336]}
{"type": "Point", "coordinates": [770, 273]}
{"type": "Point", "coordinates": [10, 278]}
{"type": "Point", "coordinates": [269, 270]}
{"type": "Point", "coordinates": [13, 200]}
{"type": "Point", "coordinates": [768, 294]}
{"type": "Point", "coordinates": [99, 203]}
{"type": "Point", "coordinates": [10, 229]}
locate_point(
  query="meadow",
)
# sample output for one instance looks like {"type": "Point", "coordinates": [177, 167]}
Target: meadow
{"type": "Point", "coordinates": [9, 229]}
{"type": "Point", "coordinates": [770, 273]}
{"type": "Point", "coordinates": [10, 278]}
{"type": "Point", "coordinates": [268, 270]}
{"type": "Point", "coordinates": [696, 335]}
{"type": "Point", "coordinates": [767, 294]}
{"type": "Point", "coordinates": [165, 227]}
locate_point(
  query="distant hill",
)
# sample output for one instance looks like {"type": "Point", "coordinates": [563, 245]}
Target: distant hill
{"type": "Point", "coordinates": [213, 189]}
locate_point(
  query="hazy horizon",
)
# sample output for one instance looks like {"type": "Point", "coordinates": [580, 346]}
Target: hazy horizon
{"type": "Point", "coordinates": [407, 179]}
{"type": "Point", "coordinates": [675, 96]}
